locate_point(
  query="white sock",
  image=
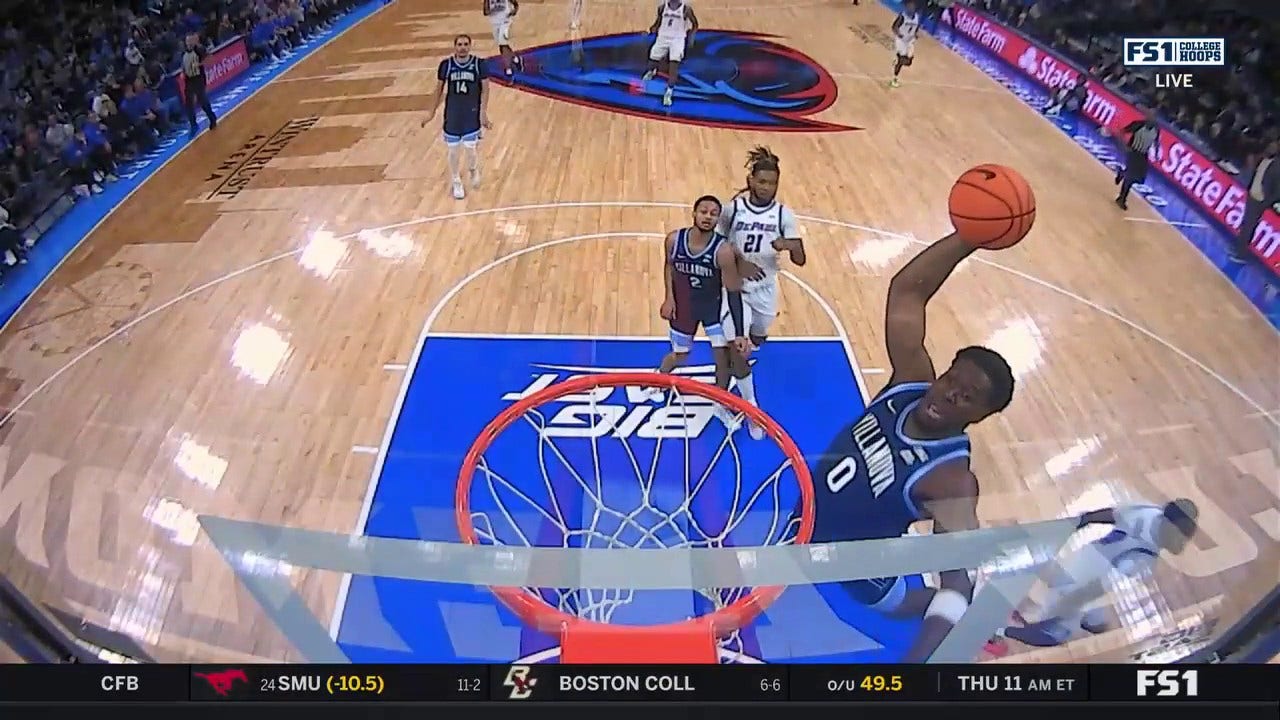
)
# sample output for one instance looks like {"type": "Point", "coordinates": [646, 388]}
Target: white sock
{"type": "Point", "coordinates": [747, 387]}
{"type": "Point", "coordinates": [473, 159]}
{"type": "Point", "coordinates": [453, 163]}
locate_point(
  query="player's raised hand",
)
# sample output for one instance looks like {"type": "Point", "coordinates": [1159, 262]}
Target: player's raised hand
{"type": "Point", "coordinates": [668, 310]}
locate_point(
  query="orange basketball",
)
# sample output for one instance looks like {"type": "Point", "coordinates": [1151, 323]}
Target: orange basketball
{"type": "Point", "coordinates": [992, 207]}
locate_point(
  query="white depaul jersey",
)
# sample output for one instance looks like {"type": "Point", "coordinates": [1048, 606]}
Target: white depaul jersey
{"type": "Point", "coordinates": [673, 22]}
{"type": "Point", "coordinates": [752, 231]}
{"type": "Point", "coordinates": [1134, 543]}
{"type": "Point", "coordinates": [910, 26]}
{"type": "Point", "coordinates": [498, 8]}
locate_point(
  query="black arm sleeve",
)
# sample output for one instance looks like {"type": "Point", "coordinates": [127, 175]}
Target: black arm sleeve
{"type": "Point", "coordinates": [735, 311]}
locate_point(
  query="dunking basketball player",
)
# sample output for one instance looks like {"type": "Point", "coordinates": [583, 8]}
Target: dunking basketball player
{"type": "Point", "coordinates": [466, 103]}
{"type": "Point", "coordinates": [907, 457]}
{"type": "Point", "coordinates": [760, 229]}
{"type": "Point", "coordinates": [905, 28]}
{"type": "Point", "coordinates": [501, 14]}
{"type": "Point", "coordinates": [700, 266]}
{"type": "Point", "coordinates": [675, 27]}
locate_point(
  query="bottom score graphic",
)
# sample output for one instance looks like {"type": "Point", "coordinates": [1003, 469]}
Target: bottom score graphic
{"type": "Point", "coordinates": [521, 681]}
{"type": "Point", "coordinates": [747, 684]}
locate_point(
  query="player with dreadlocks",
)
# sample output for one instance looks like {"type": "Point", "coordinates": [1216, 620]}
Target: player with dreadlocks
{"type": "Point", "coordinates": [760, 229]}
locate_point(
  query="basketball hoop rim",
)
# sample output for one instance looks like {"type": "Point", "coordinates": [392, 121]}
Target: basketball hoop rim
{"type": "Point", "coordinates": [537, 612]}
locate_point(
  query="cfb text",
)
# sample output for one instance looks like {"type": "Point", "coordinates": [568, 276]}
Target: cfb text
{"type": "Point", "coordinates": [120, 683]}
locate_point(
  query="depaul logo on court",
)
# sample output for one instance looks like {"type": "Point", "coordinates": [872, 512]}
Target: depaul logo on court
{"type": "Point", "coordinates": [734, 80]}
{"type": "Point", "coordinates": [620, 412]}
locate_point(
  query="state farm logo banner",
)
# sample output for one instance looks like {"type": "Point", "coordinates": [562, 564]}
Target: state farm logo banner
{"type": "Point", "coordinates": [221, 66]}
{"type": "Point", "coordinates": [1219, 194]}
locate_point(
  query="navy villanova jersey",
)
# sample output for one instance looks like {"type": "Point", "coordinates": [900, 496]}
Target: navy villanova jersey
{"type": "Point", "coordinates": [462, 88]}
{"type": "Point", "coordinates": [697, 283]}
{"type": "Point", "coordinates": [863, 482]}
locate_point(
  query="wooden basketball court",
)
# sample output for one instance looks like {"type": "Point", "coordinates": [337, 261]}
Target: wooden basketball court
{"type": "Point", "coordinates": [234, 342]}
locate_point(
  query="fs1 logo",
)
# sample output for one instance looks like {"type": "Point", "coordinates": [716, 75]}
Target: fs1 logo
{"type": "Point", "coordinates": [1175, 52]}
{"type": "Point", "coordinates": [1169, 683]}
{"type": "Point", "coordinates": [521, 682]}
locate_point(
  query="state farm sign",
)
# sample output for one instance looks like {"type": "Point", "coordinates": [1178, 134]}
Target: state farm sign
{"type": "Point", "coordinates": [1221, 196]}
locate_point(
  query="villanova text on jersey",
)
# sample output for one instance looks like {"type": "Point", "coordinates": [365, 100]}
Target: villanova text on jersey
{"type": "Point", "coordinates": [876, 453]}
{"type": "Point", "coordinates": [462, 95]}
{"type": "Point", "coordinates": [864, 481]}
{"type": "Point", "coordinates": [693, 268]}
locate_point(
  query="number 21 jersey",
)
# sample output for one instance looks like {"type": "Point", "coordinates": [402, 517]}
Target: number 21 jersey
{"type": "Point", "coordinates": [752, 231]}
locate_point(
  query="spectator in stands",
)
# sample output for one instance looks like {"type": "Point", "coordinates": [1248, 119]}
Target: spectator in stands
{"type": "Point", "coordinates": [264, 41]}
{"type": "Point", "coordinates": [1264, 192]}
{"type": "Point", "coordinates": [133, 57]}
{"type": "Point", "coordinates": [287, 25]}
{"type": "Point", "coordinates": [75, 156]}
{"type": "Point", "coordinates": [1069, 97]}
{"type": "Point", "coordinates": [57, 132]}
{"type": "Point", "coordinates": [99, 139]}
{"type": "Point", "coordinates": [156, 113]}
{"type": "Point", "coordinates": [11, 242]}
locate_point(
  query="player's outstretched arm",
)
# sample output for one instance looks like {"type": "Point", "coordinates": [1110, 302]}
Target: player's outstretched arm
{"type": "Point", "coordinates": [909, 293]}
{"type": "Point", "coordinates": [954, 510]}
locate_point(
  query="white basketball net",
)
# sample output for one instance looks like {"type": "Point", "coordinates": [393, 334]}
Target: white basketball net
{"type": "Point", "coordinates": [632, 505]}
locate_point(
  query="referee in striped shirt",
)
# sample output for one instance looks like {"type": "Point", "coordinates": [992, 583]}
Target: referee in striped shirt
{"type": "Point", "coordinates": [196, 91]}
{"type": "Point", "coordinates": [1143, 134]}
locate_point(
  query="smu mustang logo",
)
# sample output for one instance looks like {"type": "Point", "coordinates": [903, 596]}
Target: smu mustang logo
{"type": "Point", "coordinates": [728, 79]}
{"type": "Point", "coordinates": [620, 412]}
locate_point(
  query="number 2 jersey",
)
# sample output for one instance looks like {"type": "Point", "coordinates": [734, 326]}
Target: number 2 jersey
{"type": "Point", "coordinates": [863, 482]}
